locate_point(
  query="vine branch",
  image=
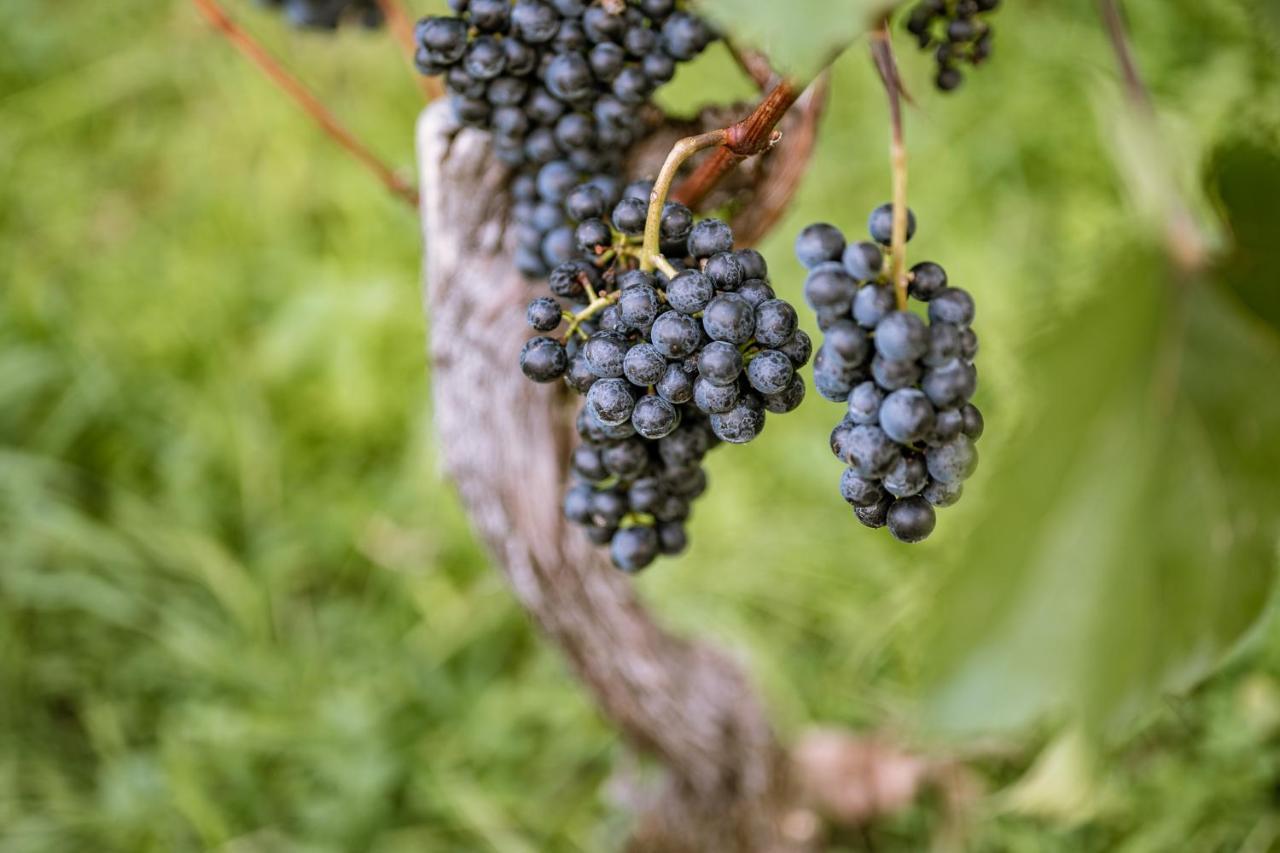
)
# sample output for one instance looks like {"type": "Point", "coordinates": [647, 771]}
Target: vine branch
{"type": "Point", "coordinates": [255, 52]}
{"type": "Point", "coordinates": [753, 135]}
{"type": "Point", "coordinates": [400, 23]}
{"type": "Point", "coordinates": [887, 66]}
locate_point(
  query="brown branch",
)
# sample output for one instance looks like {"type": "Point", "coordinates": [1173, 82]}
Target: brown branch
{"type": "Point", "coordinates": [400, 24]}
{"type": "Point", "coordinates": [753, 135]}
{"type": "Point", "coordinates": [248, 46]}
{"type": "Point", "coordinates": [887, 66]}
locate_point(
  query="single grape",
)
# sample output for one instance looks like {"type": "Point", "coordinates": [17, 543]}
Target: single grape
{"type": "Point", "coordinates": [787, 400]}
{"type": "Point", "coordinates": [724, 270]}
{"type": "Point", "coordinates": [690, 291]}
{"type": "Point", "coordinates": [864, 403]}
{"type": "Point", "coordinates": [544, 314]}
{"type": "Point", "coordinates": [880, 224]}
{"type": "Point", "coordinates": [676, 385]}
{"type": "Point", "coordinates": [951, 305]}
{"type": "Point", "coordinates": [819, 243]}
{"type": "Point", "coordinates": [952, 461]}
{"type": "Point", "coordinates": [907, 477]}
{"type": "Point", "coordinates": [728, 317]}
{"type": "Point", "coordinates": [654, 417]}
{"type": "Point", "coordinates": [677, 335]}
{"type": "Point", "coordinates": [770, 372]}
{"type": "Point", "coordinates": [643, 365]}
{"type": "Point", "coordinates": [543, 359]}
{"type": "Point", "coordinates": [906, 416]}
{"type": "Point", "coordinates": [776, 323]}
{"type": "Point", "coordinates": [714, 399]}
{"type": "Point", "coordinates": [610, 400]}
{"type": "Point", "coordinates": [911, 519]}
{"type": "Point", "coordinates": [927, 281]}
{"type": "Point", "coordinates": [710, 237]}
{"type": "Point", "coordinates": [742, 423]}
{"type": "Point", "coordinates": [634, 548]}
{"type": "Point", "coordinates": [859, 491]}
{"type": "Point", "coordinates": [863, 260]}
{"type": "Point", "coordinates": [720, 363]}
{"type": "Point", "coordinates": [901, 336]}
{"type": "Point", "coordinates": [872, 303]}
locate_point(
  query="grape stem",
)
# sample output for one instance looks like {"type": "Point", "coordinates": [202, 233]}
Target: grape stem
{"type": "Point", "coordinates": [680, 152]}
{"type": "Point", "coordinates": [887, 66]}
{"type": "Point", "coordinates": [400, 24]}
{"type": "Point", "coordinates": [594, 307]}
{"type": "Point", "coordinates": [311, 105]}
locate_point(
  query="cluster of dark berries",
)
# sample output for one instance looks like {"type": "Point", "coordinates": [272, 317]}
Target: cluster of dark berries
{"type": "Point", "coordinates": [564, 86]}
{"type": "Point", "coordinates": [671, 363]}
{"type": "Point", "coordinates": [907, 437]}
{"type": "Point", "coordinates": [957, 33]}
{"type": "Point", "coordinates": [327, 14]}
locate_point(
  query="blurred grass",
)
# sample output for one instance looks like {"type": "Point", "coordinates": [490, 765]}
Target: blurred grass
{"type": "Point", "coordinates": [240, 609]}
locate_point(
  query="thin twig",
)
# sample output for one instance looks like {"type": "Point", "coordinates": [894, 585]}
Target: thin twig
{"type": "Point", "coordinates": [248, 46]}
{"type": "Point", "coordinates": [755, 65]}
{"type": "Point", "coordinates": [753, 135]}
{"type": "Point", "coordinates": [1114, 22]}
{"type": "Point", "coordinates": [400, 24]}
{"type": "Point", "coordinates": [882, 53]}
{"type": "Point", "coordinates": [1186, 242]}
{"type": "Point", "coordinates": [680, 152]}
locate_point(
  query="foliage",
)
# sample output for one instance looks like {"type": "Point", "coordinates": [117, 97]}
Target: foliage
{"type": "Point", "coordinates": [240, 609]}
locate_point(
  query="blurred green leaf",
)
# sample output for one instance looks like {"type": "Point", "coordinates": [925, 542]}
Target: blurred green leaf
{"type": "Point", "coordinates": [1132, 528]}
{"type": "Point", "coordinates": [786, 32]}
{"type": "Point", "coordinates": [1245, 176]}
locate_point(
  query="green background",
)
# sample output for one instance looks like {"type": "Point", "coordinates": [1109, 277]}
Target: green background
{"type": "Point", "coordinates": [240, 608]}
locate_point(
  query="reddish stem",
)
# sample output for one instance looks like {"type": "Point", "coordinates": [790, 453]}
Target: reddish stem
{"type": "Point", "coordinates": [246, 44]}
{"type": "Point", "coordinates": [753, 135]}
{"type": "Point", "coordinates": [400, 23]}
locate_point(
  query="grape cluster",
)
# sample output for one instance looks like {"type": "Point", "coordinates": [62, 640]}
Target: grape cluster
{"type": "Point", "coordinates": [327, 14]}
{"type": "Point", "coordinates": [908, 434]}
{"type": "Point", "coordinates": [671, 363]}
{"type": "Point", "coordinates": [956, 31]}
{"type": "Point", "coordinates": [565, 87]}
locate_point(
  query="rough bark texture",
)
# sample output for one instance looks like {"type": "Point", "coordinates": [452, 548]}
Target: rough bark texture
{"type": "Point", "coordinates": [505, 442]}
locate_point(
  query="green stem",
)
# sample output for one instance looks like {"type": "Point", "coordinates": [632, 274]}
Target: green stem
{"type": "Point", "coordinates": [882, 52]}
{"type": "Point", "coordinates": [680, 152]}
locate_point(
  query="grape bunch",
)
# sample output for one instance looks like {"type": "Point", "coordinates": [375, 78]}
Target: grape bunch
{"type": "Point", "coordinates": [327, 14]}
{"type": "Point", "coordinates": [671, 363]}
{"type": "Point", "coordinates": [956, 31]}
{"type": "Point", "coordinates": [908, 434]}
{"type": "Point", "coordinates": [565, 87]}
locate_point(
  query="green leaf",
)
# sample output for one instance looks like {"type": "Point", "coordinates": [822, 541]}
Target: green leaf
{"type": "Point", "coordinates": [1245, 177]}
{"type": "Point", "coordinates": [787, 33]}
{"type": "Point", "coordinates": [1132, 526]}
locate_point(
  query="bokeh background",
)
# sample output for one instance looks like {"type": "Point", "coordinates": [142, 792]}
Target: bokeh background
{"type": "Point", "coordinates": [241, 610]}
